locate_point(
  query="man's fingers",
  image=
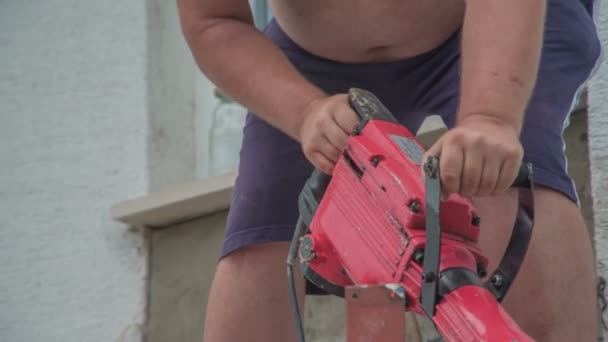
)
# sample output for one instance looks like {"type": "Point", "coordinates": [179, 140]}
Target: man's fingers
{"type": "Point", "coordinates": [451, 163]}
{"type": "Point", "coordinates": [489, 176]}
{"type": "Point", "coordinates": [322, 163]}
{"type": "Point", "coordinates": [472, 171]}
{"type": "Point", "coordinates": [328, 150]}
{"type": "Point", "coordinates": [508, 172]}
{"type": "Point", "coordinates": [335, 135]}
{"type": "Point", "coordinates": [320, 151]}
{"type": "Point", "coordinates": [346, 118]}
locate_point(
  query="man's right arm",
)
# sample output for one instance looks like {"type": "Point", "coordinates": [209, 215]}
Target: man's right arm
{"type": "Point", "coordinates": [240, 60]}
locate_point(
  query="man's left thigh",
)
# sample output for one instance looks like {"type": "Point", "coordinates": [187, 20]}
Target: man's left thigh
{"type": "Point", "coordinates": [553, 297]}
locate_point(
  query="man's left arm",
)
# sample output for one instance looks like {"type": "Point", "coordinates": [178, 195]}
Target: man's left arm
{"type": "Point", "coordinates": [501, 46]}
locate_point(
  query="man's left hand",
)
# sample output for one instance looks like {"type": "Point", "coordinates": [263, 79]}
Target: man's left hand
{"type": "Point", "coordinates": [481, 156]}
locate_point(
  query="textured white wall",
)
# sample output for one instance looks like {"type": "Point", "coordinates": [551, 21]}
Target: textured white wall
{"type": "Point", "coordinates": [598, 149]}
{"type": "Point", "coordinates": [73, 129]}
{"type": "Point", "coordinates": [171, 97]}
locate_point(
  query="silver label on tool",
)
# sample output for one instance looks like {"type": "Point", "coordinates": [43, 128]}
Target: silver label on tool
{"type": "Point", "coordinates": [409, 147]}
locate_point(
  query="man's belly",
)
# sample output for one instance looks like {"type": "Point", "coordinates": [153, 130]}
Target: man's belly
{"type": "Point", "coordinates": [355, 31]}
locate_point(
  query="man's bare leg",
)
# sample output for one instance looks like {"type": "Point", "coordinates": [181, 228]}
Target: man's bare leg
{"type": "Point", "coordinates": [249, 298]}
{"type": "Point", "coordinates": [554, 295]}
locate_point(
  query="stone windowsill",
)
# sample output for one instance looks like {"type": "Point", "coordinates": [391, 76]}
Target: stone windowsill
{"type": "Point", "coordinates": [200, 198]}
{"type": "Point", "coordinates": [177, 204]}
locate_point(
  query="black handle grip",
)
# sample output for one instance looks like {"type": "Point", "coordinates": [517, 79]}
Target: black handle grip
{"type": "Point", "coordinates": [524, 177]}
{"type": "Point", "coordinates": [312, 194]}
{"type": "Point", "coordinates": [318, 183]}
{"type": "Point", "coordinates": [368, 107]}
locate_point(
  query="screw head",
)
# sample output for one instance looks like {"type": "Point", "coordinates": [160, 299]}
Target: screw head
{"type": "Point", "coordinates": [375, 161]}
{"type": "Point", "coordinates": [428, 277]}
{"type": "Point", "coordinates": [431, 166]}
{"type": "Point", "coordinates": [307, 252]}
{"type": "Point", "coordinates": [414, 206]}
{"type": "Point", "coordinates": [497, 280]}
{"type": "Point", "coordinates": [481, 270]}
{"type": "Point", "coordinates": [418, 256]}
{"type": "Point", "coordinates": [476, 221]}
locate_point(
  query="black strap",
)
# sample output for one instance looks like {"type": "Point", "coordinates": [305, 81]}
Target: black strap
{"type": "Point", "coordinates": [456, 277]}
{"type": "Point", "coordinates": [500, 281]}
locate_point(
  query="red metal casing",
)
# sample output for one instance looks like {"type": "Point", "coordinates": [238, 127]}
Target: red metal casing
{"type": "Point", "coordinates": [371, 221]}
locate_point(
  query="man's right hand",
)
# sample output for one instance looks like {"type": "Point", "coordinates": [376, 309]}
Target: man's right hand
{"type": "Point", "coordinates": [327, 122]}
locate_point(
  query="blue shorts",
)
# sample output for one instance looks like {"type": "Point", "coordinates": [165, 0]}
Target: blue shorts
{"type": "Point", "coordinates": [272, 168]}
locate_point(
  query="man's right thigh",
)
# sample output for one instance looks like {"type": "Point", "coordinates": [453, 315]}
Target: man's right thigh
{"type": "Point", "coordinates": [249, 298]}
{"type": "Point", "coordinates": [272, 172]}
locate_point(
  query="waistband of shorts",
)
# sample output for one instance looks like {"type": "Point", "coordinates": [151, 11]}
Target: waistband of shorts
{"type": "Point", "coordinates": [275, 33]}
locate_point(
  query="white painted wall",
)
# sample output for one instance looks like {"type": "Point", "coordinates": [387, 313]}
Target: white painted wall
{"type": "Point", "coordinates": [598, 149]}
{"type": "Point", "coordinates": [171, 147]}
{"type": "Point", "coordinates": [73, 130]}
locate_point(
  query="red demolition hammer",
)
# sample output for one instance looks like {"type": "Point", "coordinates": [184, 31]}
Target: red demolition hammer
{"type": "Point", "coordinates": [378, 221]}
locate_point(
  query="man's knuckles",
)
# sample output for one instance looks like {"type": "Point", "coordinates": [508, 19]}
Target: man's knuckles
{"type": "Point", "coordinates": [319, 122]}
{"type": "Point", "coordinates": [324, 165]}
{"type": "Point", "coordinates": [474, 139]}
{"type": "Point", "coordinates": [450, 179]}
{"type": "Point", "coordinates": [470, 183]}
{"type": "Point", "coordinates": [308, 146]}
{"type": "Point", "coordinates": [487, 184]}
{"type": "Point", "coordinates": [456, 137]}
{"type": "Point", "coordinates": [515, 151]}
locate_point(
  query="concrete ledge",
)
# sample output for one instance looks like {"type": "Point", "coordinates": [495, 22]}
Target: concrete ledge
{"type": "Point", "coordinates": [178, 204]}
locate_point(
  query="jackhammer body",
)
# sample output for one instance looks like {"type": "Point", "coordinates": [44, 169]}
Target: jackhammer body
{"type": "Point", "coordinates": [379, 219]}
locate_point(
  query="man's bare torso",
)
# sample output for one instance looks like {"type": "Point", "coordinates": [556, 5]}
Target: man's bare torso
{"type": "Point", "coordinates": [368, 31]}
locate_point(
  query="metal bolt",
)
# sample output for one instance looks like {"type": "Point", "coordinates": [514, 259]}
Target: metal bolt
{"type": "Point", "coordinates": [428, 277]}
{"type": "Point", "coordinates": [497, 280]}
{"type": "Point", "coordinates": [414, 206]}
{"type": "Point", "coordinates": [481, 270]}
{"type": "Point", "coordinates": [306, 249]}
{"type": "Point", "coordinates": [375, 161]}
{"type": "Point", "coordinates": [476, 221]}
{"type": "Point", "coordinates": [418, 256]}
{"type": "Point", "coordinates": [431, 166]}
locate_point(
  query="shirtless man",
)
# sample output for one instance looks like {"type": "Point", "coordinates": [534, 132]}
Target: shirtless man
{"type": "Point", "coordinates": [504, 75]}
